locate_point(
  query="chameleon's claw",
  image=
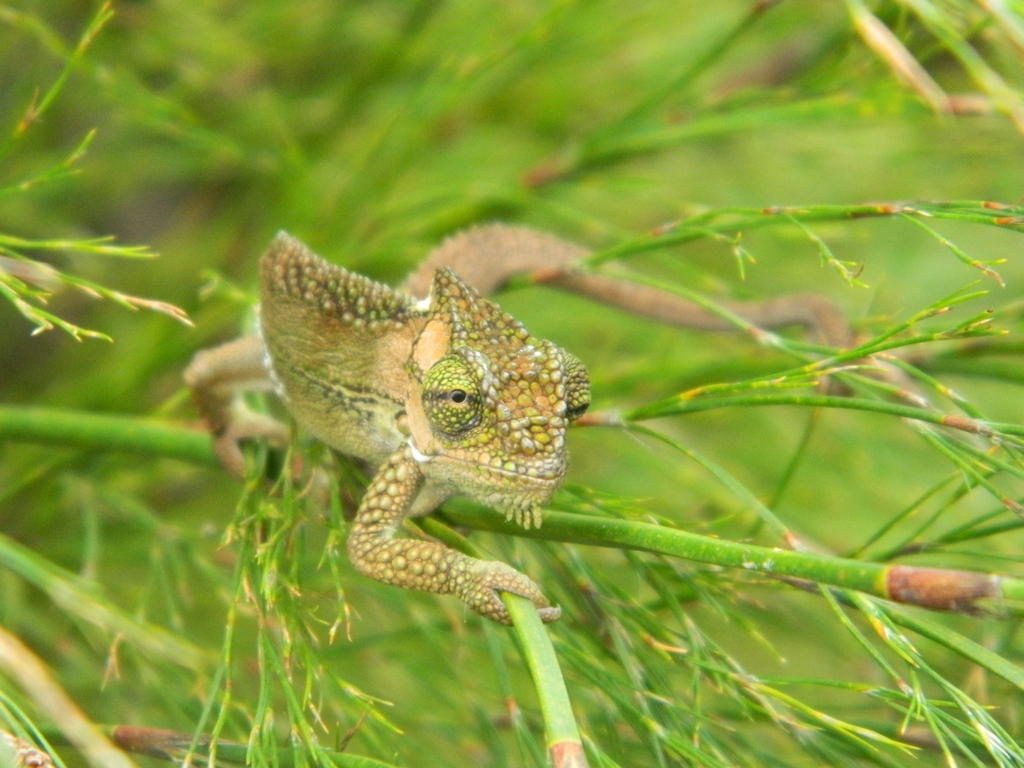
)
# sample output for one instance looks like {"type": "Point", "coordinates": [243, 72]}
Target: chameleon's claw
{"type": "Point", "coordinates": [492, 577]}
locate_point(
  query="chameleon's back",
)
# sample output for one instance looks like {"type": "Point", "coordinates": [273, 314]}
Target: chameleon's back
{"type": "Point", "coordinates": [337, 344]}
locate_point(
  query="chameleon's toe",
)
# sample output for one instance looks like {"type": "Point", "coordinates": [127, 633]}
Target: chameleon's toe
{"type": "Point", "coordinates": [225, 445]}
{"type": "Point", "coordinates": [246, 425]}
{"type": "Point", "coordinates": [492, 577]}
{"type": "Point", "coordinates": [549, 614]}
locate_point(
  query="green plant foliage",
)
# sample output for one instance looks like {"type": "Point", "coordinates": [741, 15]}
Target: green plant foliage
{"type": "Point", "coordinates": [723, 567]}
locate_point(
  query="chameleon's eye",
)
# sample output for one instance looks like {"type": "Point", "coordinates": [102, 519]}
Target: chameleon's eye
{"type": "Point", "coordinates": [450, 396]}
{"type": "Point", "coordinates": [577, 387]}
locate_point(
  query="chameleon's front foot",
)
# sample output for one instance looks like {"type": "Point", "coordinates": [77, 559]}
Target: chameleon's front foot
{"type": "Point", "coordinates": [428, 565]}
{"type": "Point", "coordinates": [489, 577]}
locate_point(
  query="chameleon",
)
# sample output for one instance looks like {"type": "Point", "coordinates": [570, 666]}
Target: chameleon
{"type": "Point", "coordinates": [435, 387]}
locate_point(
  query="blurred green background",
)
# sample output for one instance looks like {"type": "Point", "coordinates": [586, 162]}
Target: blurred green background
{"type": "Point", "coordinates": [371, 130]}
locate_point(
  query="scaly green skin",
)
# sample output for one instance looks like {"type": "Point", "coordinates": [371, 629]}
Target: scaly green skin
{"type": "Point", "coordinates": [427, 565]}
{"type": "Point", "coordinates": [450, 398]}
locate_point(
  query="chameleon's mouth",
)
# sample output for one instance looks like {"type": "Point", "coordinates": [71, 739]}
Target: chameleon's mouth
{"type": "Point", "coordinates": [518, 494]}
{"type": "Point", "coordinates": [555, 473]}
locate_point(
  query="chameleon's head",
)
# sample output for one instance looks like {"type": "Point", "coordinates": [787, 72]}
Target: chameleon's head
{"type": "Point", "coordinates": [490, 404]}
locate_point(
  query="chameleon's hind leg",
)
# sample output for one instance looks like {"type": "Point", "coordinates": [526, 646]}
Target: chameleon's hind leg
{"type": "Point", "coordinates": [216, 377]}
{"type": "Point", "coordinates": [428, 565]}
